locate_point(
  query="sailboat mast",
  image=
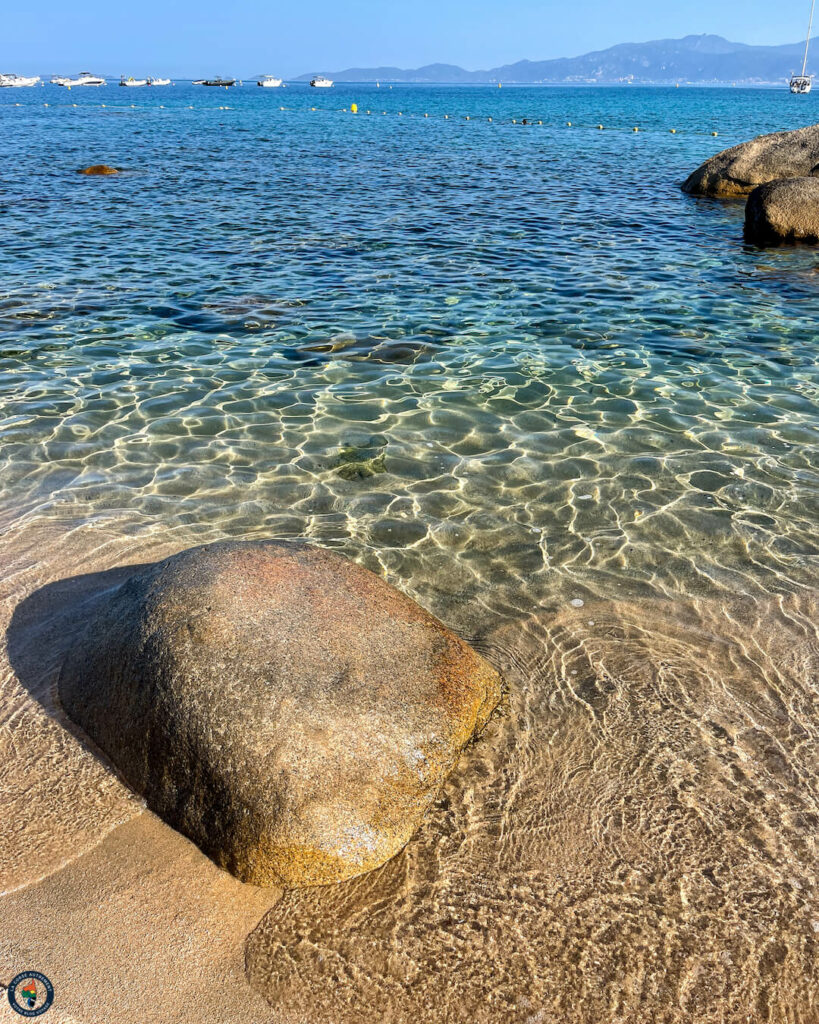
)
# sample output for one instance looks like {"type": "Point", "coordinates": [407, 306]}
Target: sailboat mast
{"type": "Point", "coordinates": [807, 41]}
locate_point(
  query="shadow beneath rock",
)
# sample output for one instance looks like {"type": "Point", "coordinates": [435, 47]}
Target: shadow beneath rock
{"type": "Point", "coordinates": [46, 624]}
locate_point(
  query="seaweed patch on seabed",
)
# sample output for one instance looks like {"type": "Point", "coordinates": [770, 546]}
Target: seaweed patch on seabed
{"type": "Point", "coordinates": [634, 842]}
{"type": "Point", "coordinates": [361, 461]}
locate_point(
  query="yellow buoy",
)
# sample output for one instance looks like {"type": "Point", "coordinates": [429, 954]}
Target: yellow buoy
{"type": "Point", "coordinates": [540, 122]}
{"type": "Point", "coordinates": [636, 129]}
{"type": "Point", "coordinates": [353, 108]}
{"type": "Point", "coordinates": [490, 120]}
{"type": "Point", "coordinates": [715, 134]}
{"type": "Point", "coordinates": [674, 130]}
{"type": "Point", "coordinates": [446, 117]}
{"type": "Point", "coordinates": [467, 118]}
{"type": "Point", "coordinates": [600, 127]}
{"type": "Point", "coordinates": [568, 124]}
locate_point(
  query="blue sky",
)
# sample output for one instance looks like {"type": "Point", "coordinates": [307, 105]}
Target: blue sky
{"type": "Point", "coordinates": [187, 38]}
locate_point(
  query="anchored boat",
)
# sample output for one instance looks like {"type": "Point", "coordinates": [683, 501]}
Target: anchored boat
{"type": "Point", "coordinates": [801, 84]}
{"type": "Point", "coordinates": [269, 82]}
{"type": "Point", "coordinates": [159, 81]}
{"type": "Point", "coordinates": [85, 78]}
{"type": "Point", "coordinates": [321, 82]}
{"type": "Point", "coordinates": [216, 82]}
{"type": "Point", "coordinates": [134, 83]}
{"type": "Point", "coordinates": [16, 81]}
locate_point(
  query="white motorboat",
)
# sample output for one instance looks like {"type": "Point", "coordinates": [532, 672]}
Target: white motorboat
{"type": "Point", "coordinates": [134, 83]}
{"type": "Point", "coordinates": [216, 83]}
{"type": "Point", "coordinates": [269, 82]}
{"type": "Point", "coordinates": [802, 84]}
{"type": "Point", "coordinates": [159, 81]}
{"type": "Point", "coordinates": [321, 82]}
{"type": "Point", "coordinates": [84, 78]}
{"type": "Point", "coordinates": [17, 81]}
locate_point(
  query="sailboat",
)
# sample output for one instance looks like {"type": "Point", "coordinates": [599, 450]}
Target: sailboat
{"type": "Point", "coordinates": [801, 84]}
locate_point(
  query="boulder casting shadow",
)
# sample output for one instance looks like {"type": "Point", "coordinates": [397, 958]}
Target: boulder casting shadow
{"type": "Point", "coordinates": [287, 710]}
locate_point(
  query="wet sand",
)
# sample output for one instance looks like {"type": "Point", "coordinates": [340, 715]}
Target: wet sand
{"type": "Point", "coordinates": [143, 929]}
{"type": "Point", "coordinates": [633, 840]}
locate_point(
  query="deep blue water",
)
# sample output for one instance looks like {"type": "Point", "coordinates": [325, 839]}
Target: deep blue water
{"type": "Point", "coordinates": [493, 359]}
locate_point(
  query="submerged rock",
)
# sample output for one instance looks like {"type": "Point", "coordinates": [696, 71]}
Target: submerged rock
{"type": "Point", "coordinates": [286, 709]}
{"type": "Point", "coordinates": [783, 211]}
{"type": "Point", "coordinates": [99, 169]}
{"type": "Point", "coordinates": [737, 171]}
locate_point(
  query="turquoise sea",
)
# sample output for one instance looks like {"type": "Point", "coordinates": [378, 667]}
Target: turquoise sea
{"type": "Point", "coordinates": [516, 371]}
{"type": "Point", "coordinates": [520, 349]}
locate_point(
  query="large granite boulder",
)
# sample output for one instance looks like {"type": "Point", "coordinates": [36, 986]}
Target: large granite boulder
{"type": "Point", "coordinates": [737, 171]}
{"type": "Point", "coordinates": [783, 211]}
{"type": "Point", "coordinates": [286, 709]}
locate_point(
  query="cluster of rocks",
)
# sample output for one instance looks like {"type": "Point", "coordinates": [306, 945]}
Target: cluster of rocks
{"type": "Point", "coordinates": [779, 175]}
{"type": "Point", "coordinates": [287, 710]}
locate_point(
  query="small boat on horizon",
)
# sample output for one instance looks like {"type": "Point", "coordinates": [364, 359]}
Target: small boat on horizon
{"type": "Point", "coordinates": [320, 82]}
{"type": "Point", "coordinates": [84, 78]}
{"type": "Point", "coordinates": [802, 84]}
{"type": "Point", "coordinates": [269, 82]}
{"type": "Point", "coordinates": [134, 83]}
{"type": "Point", "coordinates": [159, 81]}
{"type": "Point", "coordinates": [10, 81]}
{"type": "Point", "coordinates": [216, 82]}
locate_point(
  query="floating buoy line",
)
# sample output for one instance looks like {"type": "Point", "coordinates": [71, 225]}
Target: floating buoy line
{"type": "Point", "coordinates": [354, 109]}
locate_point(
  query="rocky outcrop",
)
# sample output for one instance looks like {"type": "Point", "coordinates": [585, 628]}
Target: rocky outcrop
{"type": "Point", "coordinates": [99, 169]}
{"type": "Point", "coordinates": [783, 211]}
{"type": "Point", "coordinates": [286, 709]}
{"type": "Point", "coordinates": [736, 172]}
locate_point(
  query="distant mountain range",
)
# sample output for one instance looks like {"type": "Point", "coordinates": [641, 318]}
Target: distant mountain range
{"type": "Point", "coordinates": [696, 59]}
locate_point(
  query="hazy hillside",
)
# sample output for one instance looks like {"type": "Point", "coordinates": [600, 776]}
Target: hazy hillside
{"type": "Point", "coordinates": [692, 59]}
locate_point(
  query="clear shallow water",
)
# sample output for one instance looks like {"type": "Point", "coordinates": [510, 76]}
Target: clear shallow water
{"type": "Point", "coordinates": [516, 352]}
{"type": "Point", "coordinates": [506, 366]}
